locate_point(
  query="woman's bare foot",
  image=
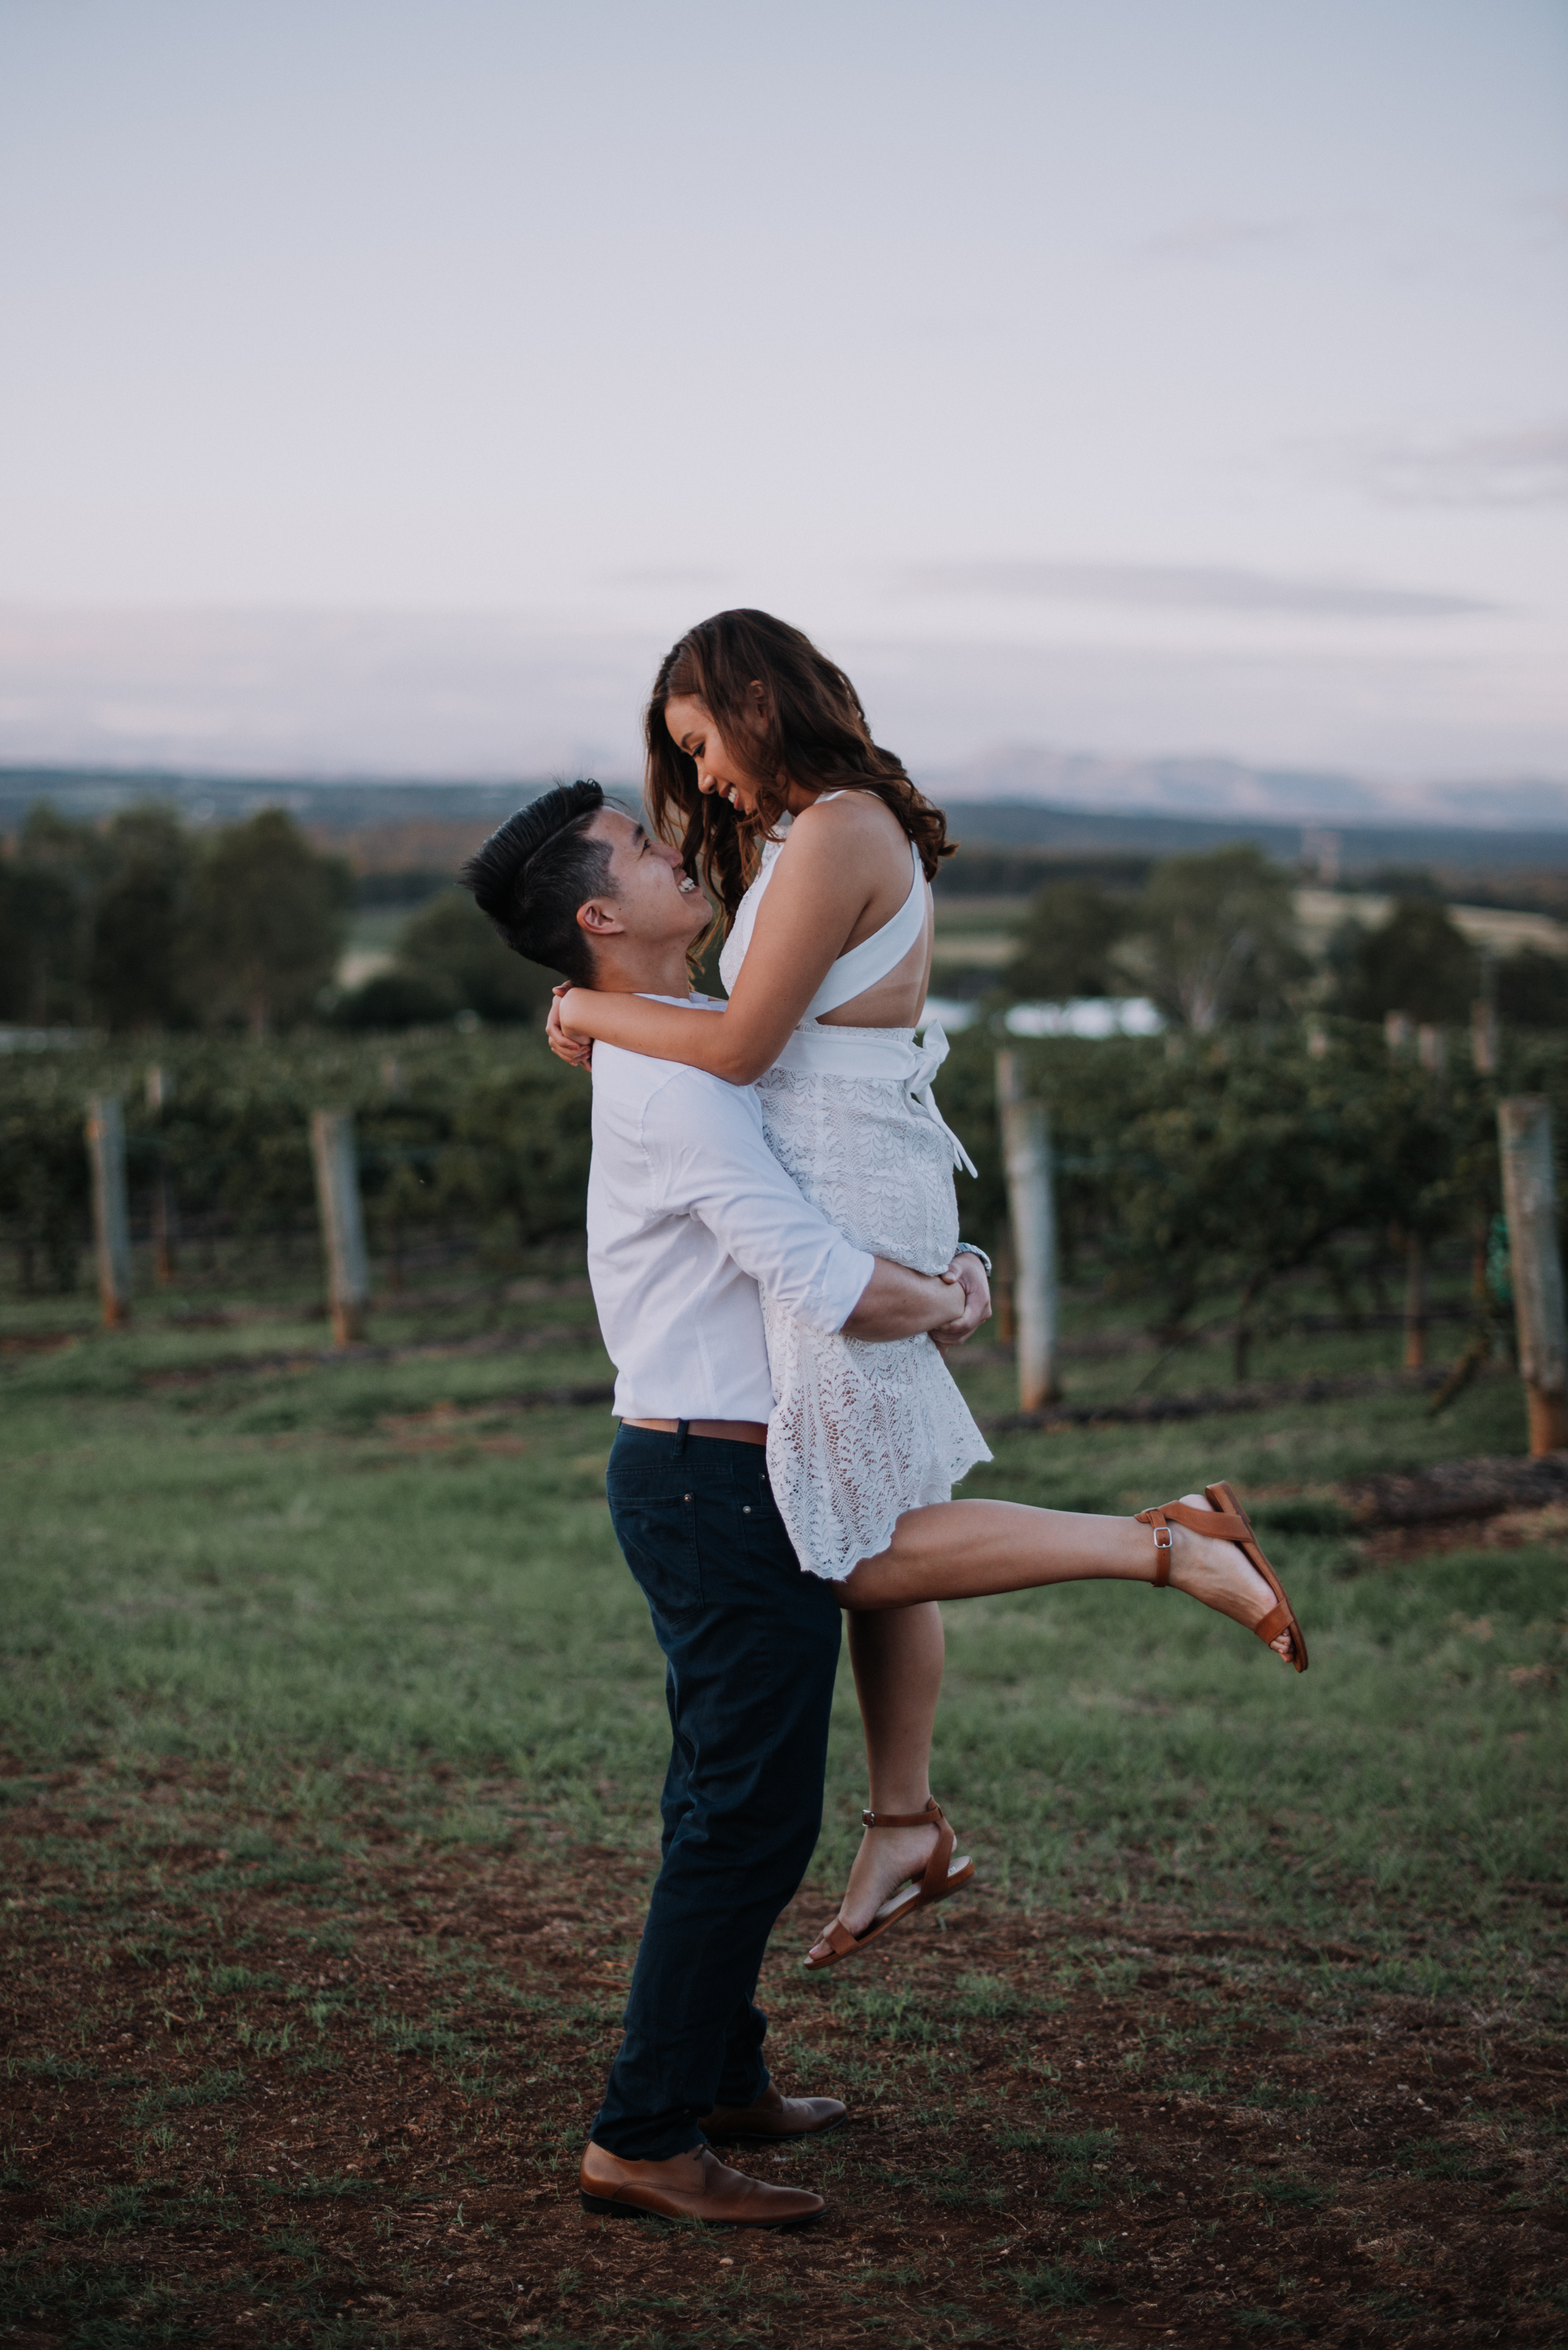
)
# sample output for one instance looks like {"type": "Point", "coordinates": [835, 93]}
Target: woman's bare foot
{"type": "Point", "coordinates": [887, 1858]}
{"type": "Point", "coordinates": [1223, 1577]}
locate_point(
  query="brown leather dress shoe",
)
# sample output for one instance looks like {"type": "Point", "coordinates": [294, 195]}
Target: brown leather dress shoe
{"type": "Point", "coordinates": [773, 2116]}
{"type": "Point", "coordinates": [691, 2185]}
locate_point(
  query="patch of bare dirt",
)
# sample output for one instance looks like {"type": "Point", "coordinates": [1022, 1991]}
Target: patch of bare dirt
{"type": "Point", "coordinates": [259, 2091]}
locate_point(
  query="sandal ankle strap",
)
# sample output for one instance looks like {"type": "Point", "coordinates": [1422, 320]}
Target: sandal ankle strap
{"type": "Point", "coordinates": [933, 1811]}
{"type": "Point", "coordinates": [936, 1870]}
{"type": "Point", "coordinates": [1219, 1525]}
{"type": "Point", "coordinates": [1155, 1518]}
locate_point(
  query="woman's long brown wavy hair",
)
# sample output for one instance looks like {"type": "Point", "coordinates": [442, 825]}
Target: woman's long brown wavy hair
{"type": "Point", "coordinates": [809, 730]}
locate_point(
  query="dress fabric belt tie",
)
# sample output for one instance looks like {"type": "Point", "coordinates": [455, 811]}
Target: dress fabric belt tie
{"type": "Point", "coordinates": [931, 1055]}
{"type": "Point", "coordinates": [886, 1052]}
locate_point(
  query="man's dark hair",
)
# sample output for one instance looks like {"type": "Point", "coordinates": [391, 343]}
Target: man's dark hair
{"type": "Point", "coordinates": [532, 875]}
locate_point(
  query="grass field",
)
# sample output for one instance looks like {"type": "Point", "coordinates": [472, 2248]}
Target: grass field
{"type": "Point", "coordinates": [333, 1727]}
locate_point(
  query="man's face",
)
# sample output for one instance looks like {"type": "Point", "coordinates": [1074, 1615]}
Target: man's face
{"type": "Point", "coordinates": [650, 901]}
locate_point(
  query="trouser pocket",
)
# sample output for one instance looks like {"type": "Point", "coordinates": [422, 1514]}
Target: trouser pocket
{"type": "Point", "coordinates": [657, 1531]}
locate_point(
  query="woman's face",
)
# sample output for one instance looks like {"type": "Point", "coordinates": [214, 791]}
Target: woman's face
{"type": "Point", "coordinates": [692, 729]}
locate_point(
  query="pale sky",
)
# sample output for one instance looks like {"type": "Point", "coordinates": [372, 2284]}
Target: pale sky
{"type": "Point", "coordinates": [385, 385]}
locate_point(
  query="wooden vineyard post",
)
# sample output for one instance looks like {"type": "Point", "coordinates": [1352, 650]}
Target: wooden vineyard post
{"type": "Point", "coordinates": [110, 1208]}
{"type": "Point", "coordinates": [1001, 1288]}
{"type": "Point", "coordinates": [1431, 1051]}
{"type": "Point", "coordinates": [1414, 1302]}
{"type": "Point", "coordinates": [159, 1093]}
{"type": "Point", "coordinates": [1530, 1203]}
{"type": "Point", "coordinates": [1483, 1037]}
{"type": "Point", "coordinates": [342, 1225]}
{"type": "Point", "coordinates": [1031, 1207]}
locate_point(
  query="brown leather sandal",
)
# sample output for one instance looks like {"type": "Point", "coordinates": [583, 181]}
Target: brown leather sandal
{"type": "Point", "coordinates": [936, 1883]}
{"type": "Point", "coordinates": [1228, 1522]}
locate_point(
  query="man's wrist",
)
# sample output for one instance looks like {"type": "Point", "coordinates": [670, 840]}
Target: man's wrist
{"type": "Point", "coordinates": [968, 1248]}
{"type": "Point", "coordinates": [949, 1302]}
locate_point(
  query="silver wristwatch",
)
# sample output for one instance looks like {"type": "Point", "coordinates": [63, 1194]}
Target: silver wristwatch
{"type": "Point", "coordinates": [968, 1248]}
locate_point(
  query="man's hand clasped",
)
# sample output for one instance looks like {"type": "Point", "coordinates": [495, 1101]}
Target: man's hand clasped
{"type": "Point", "coordinates": [969, 1275]}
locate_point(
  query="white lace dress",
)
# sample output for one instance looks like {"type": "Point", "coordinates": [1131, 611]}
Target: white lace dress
{"type": "Point", "coordinates": [861, 1434]}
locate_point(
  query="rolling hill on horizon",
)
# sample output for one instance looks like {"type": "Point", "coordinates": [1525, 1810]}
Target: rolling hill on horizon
{"type": "Point", "coordinates": [1217, 788]}
{"type": "Point", "coordinates": [1024, 799]}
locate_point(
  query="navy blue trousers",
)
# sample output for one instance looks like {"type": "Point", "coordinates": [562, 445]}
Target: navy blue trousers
{"type": "Point", "coordinates": [751, 1645]}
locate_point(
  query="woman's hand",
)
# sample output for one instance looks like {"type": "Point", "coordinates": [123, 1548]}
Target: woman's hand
{"type": "Point", "coordinates": [566, 1042]}
{"type": "Point", "coordinates": [969, 1275]}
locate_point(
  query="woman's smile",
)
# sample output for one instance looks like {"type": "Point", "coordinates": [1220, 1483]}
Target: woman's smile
{"type": "Point", "coordinates": [719, 774]}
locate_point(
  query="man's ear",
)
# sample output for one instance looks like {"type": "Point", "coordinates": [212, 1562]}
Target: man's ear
{"type": "Point", "coordinates": [599, 919]}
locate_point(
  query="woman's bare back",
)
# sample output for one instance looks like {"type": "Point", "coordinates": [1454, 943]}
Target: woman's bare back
{"type": "Point", "coordinates": [865, 835]}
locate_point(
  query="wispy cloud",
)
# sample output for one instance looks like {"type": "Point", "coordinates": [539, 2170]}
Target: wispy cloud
{"type": "Point", "coordinates": [1215, 238]}
{"type": "Point", "coordinates": [1525, 468]}
{"type": "Point", "coordinates": [498, 697]}
{"type": "Point", "coordinates": [1207, 587]}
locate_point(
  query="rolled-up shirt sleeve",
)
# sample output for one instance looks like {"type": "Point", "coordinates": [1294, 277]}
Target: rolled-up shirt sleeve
{"type": "Point", "coordinates": [710, 1159]}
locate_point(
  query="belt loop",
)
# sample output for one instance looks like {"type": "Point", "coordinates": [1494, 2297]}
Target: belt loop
{"type": "Point", "coordinates": [682, 1430]}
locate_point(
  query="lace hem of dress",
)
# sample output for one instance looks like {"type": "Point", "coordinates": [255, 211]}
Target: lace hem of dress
{"type": "Point", "coordinates": [860, 1434]}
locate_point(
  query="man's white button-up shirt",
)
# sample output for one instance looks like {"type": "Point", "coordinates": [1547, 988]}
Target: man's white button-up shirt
{"type": "Point", "coordinates": [690, 1214]}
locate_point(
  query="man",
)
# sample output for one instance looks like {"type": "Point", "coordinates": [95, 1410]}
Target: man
{"type": "Point", "coordinates": [688, 1213]}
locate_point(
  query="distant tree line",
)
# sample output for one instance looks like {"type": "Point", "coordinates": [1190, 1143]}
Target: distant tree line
{"type": "Point", "coordinates": [144, 923]}
{"type": "Point", "coordinates": [1213, 938]}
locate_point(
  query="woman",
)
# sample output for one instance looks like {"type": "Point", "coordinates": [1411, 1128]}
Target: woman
{"type": "Point", "coordinates": [820, 853]}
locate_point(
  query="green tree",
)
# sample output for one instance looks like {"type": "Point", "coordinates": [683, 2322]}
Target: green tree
{"type": "Point", "coordinates": [395, 999]}
{"type": "Point", "coordinates": [1249, 1168]}
{"type": "Point", "coordinates": [1213, 938]}
{"type": "Point", "coordinates": [1418, 961]}
{"type": "Point", "coordinates": [1532, 989]}
{"type": "Point", "coordinates": [270, 914]}
{"type": "Point", "coordinates": [139, 955]}
{"type": "Point", "coordinates": [48, 890]}
{"type": "Point", "coordinates": [1064, 943]}
{"type": "Point", "coordinates": [95, 923]}
{"type": "Point", "coordinates": [453, 949]}
{"type": "Point", "coordinates": [39, 975]}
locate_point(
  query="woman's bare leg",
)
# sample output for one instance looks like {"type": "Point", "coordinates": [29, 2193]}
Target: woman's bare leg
{"type": "Point", "coordinates": [963, 1550]}
{"type": "Point", "coordinates": [897, 1653]}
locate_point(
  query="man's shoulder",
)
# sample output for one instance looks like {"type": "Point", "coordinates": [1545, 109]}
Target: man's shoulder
{"type": "Point", "coordinates": [645, 1084]}
{"type": "Point", "coordinates": [665, 1100]}
{"type": "Point", "coordinates": [638, 1080]}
